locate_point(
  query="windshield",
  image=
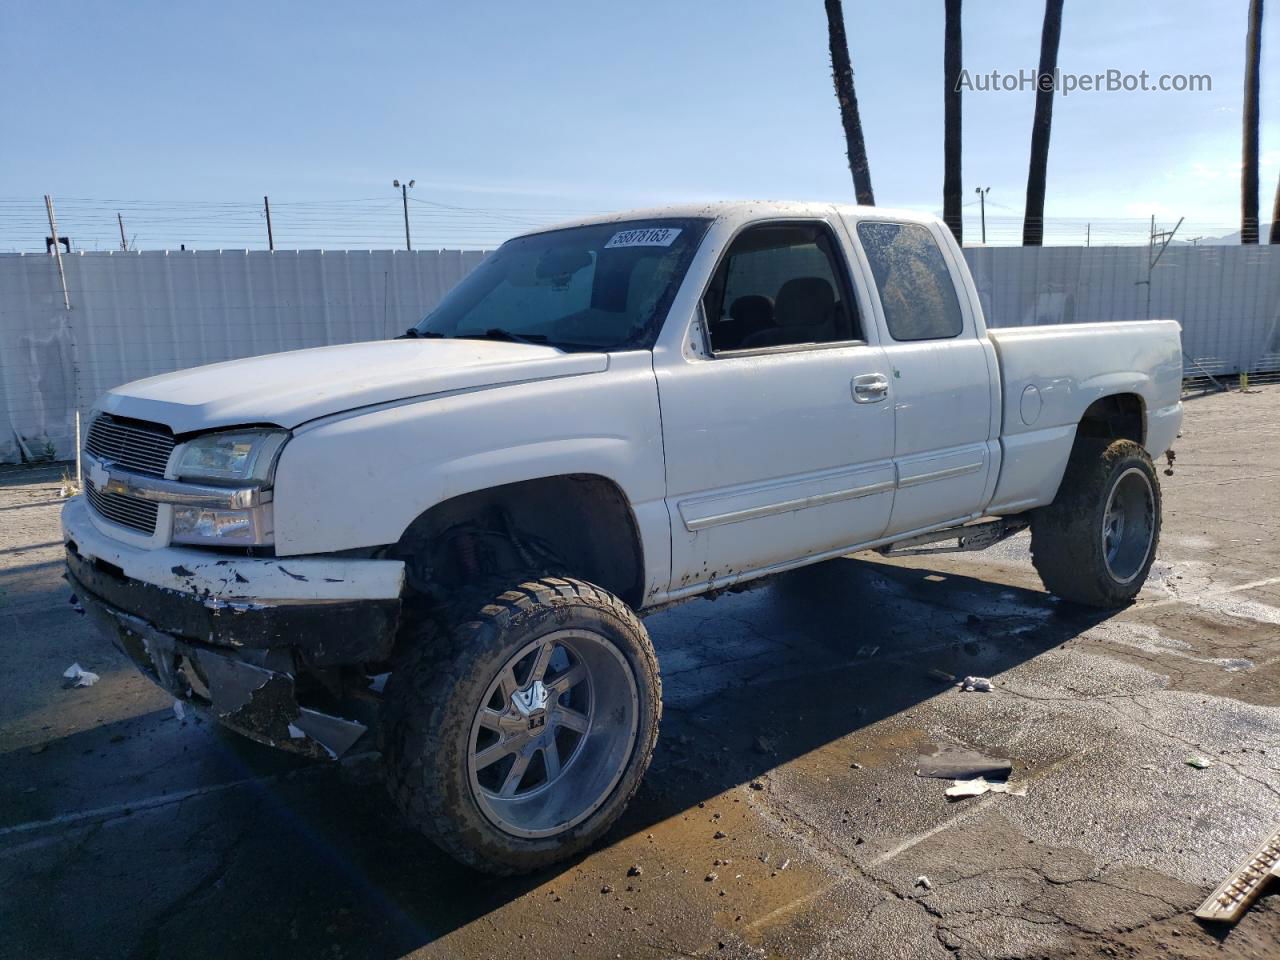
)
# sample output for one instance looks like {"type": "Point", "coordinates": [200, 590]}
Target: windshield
{"type": "Point", "coordinates": [602, 287]}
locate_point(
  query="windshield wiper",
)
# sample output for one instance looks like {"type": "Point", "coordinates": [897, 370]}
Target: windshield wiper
{"type": "Point", "coordinates": [497, 333]}
{"type": "Point", "coordinates": [413, 333]}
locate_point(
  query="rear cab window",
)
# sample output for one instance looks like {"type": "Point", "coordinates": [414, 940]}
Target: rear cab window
{"type": "Point", "coordinates": [917, 291]}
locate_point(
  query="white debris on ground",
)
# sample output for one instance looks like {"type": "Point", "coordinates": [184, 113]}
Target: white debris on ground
{"type": "Point", "coordinates": [295, 732]}
{"type": "Point", "coordinates": [976, 685]}
{"type": "Point", "coordinates": [923, 881]}
{"type": "Point", "coordinates": [980, 785]}
{"type": "Point", "coordinates": [79, 677]}
{"type": "Point", "coordinates": [1199, 762]}
{"type": "Point", "coordinates": [179, 710]}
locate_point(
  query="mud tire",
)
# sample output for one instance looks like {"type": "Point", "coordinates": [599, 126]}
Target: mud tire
{"type": "Point", "coordinates": [437, 685]}
{"type": "Point", "coordinates": [1067, 538]}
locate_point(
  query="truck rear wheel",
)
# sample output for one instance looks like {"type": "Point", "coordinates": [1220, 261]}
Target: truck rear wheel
{"type": "Point", "coordinates": [1095, 543]}
{"type": "Point", "coordinates": [517, 737]}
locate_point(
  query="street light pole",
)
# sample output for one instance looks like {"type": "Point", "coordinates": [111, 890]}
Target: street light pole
{"type": "Point", "coordinates": [404, 197]}
{"type": "Point", "coordinates": [982, 206]}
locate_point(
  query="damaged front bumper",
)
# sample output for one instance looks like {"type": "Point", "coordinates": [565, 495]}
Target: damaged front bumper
{"type": "Point", "coordinates": [238, 638]}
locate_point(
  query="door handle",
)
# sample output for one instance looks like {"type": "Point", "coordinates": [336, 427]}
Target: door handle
{"type": "Point", "coordinates": [870, 388]}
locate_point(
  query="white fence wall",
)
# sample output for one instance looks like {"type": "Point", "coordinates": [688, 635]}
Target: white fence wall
{"type": "Point", "coordinates": [139, 314]}
{"type": "Point", "coordinates": [1226, 298]}
{"type": "Point", "coordinates": [135, 315]}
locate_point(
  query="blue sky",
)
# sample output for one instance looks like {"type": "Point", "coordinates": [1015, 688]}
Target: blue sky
{"type": "Point", "coordinates": [533, 110]}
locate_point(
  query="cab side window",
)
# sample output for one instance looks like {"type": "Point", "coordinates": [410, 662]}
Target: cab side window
{"type": "Point", "coordinates": [916, 290]}
{"type": "Point", "coordinates": [780, 285]}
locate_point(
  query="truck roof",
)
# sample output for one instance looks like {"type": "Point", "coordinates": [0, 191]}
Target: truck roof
{"type": "Point", "coordinates": [742, 211]}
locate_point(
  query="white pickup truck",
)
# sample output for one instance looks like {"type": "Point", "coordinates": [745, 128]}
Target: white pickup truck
{"type": "Point", "coordinates": [452, 536]}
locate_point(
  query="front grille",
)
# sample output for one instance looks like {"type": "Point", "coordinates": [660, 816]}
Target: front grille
{"type": "Point", "coordinates": [127, 511]}
{"type": "Point", "coordinates": [132, 444]}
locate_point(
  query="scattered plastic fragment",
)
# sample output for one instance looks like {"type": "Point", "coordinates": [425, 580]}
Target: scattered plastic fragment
{"type": "Point", "coordinates": [295, 732]}
{"type": "Point", "coordinates": [1229, 902]}
{"type": "Point", "coordinates": [784, 864]}
{"type": "Point", "coordinates": [868, 650]}
{"type": "Point", "coordinates": [923, 881]}
{"type": "Point", "coordinates": [942, 675]}
{"type": "Point", "coordinates": [968, 788]}
{"type": "Point", "coordinates": [1200, 763]}
{"type": "Point", "coordinates": [976, 685]}
{"type": "Point", "coordinates": [980, 785]}
{"type": "Point", "coordinates": [79, 677]}
{"type": "Point", "coordinates": [179, 710]}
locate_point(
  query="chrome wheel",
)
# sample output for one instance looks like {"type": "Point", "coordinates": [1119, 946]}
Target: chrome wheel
{"type": "Point", "coordinates": [1128, 525]}
{"type": "Point", "coordinates": [553, 733]}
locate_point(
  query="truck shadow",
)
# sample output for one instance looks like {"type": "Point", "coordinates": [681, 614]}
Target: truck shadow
{"type": "Point", "coordinates": [312, 862]}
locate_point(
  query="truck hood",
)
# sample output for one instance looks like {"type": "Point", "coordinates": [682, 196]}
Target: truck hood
{"type": "Point", "coordinates": [288, 389]}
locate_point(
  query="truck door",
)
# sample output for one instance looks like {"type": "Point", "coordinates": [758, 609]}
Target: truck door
{"type": "Point", "coordinates": [943, 416]}
{"type": "Point", "coordinates": [779, 440]}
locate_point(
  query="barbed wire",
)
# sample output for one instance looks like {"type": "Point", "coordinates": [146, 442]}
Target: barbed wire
{"type": "Point", "coordinates": [378, 223]}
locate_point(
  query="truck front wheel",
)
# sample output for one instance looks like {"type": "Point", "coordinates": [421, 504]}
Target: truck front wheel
{"type": "Point", "coordinates": [1095, 543]}
{"type": "Point", "coordinates": [516, 737]}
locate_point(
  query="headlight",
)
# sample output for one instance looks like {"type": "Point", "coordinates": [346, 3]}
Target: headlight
{"type": "Point", "coordinates": [242, 455]}
{"type": "Point", "coordinates": [252, 527]}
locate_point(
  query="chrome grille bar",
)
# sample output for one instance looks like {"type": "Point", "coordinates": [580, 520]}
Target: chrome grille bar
{"type": "Point", "coordinates": [141, 447]}
{"type": "Point", "coordinates": [129, 512]}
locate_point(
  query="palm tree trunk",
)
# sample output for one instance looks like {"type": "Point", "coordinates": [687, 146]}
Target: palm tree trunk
{"type": "Point", "coordinates": [1249, 167]}
{"type": "Point", "coordinates": [842, 76]}
{"type": "Point", "coordinates": [952, 188]}
{"type": "Point", "coordinates": [1033, 217]}
{"type": "Point", "coordinates": [1275, 217]}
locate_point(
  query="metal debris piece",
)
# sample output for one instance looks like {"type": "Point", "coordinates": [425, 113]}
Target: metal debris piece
{"type": "Point", "coordinates": [923, 881]}
{"type": "Point", "coordinates": [1199, 762]}
{"type": "Point", "coordinates": [1229, 902]}
{"type": "Point", "coordinates": [957, 763]}
{"type": "Point", "coordinates": [976, 685]}
{"type": "Point", "coordinates": [80, 677]}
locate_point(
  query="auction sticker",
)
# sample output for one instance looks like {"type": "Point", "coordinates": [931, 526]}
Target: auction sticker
{"type": "Point", "coordinates": [644, 237]}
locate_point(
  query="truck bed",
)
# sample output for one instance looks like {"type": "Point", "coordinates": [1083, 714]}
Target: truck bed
{"type": "Point", "coordinates": [1049, 375]}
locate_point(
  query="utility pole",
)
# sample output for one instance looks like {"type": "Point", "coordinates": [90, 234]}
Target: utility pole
{"type": "Point", "coordinates": [124, 244]}
{"type": "Point", "coordinates": [404, 196]}
{"type": "Point", "coordinates": [266, 205]}
{"type": "Point", "coordinates": [57, 251]}
{"type": "Point", "coordinates": [982, 206]}
{"type": "Point", "coordinates": [1163, 238]}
